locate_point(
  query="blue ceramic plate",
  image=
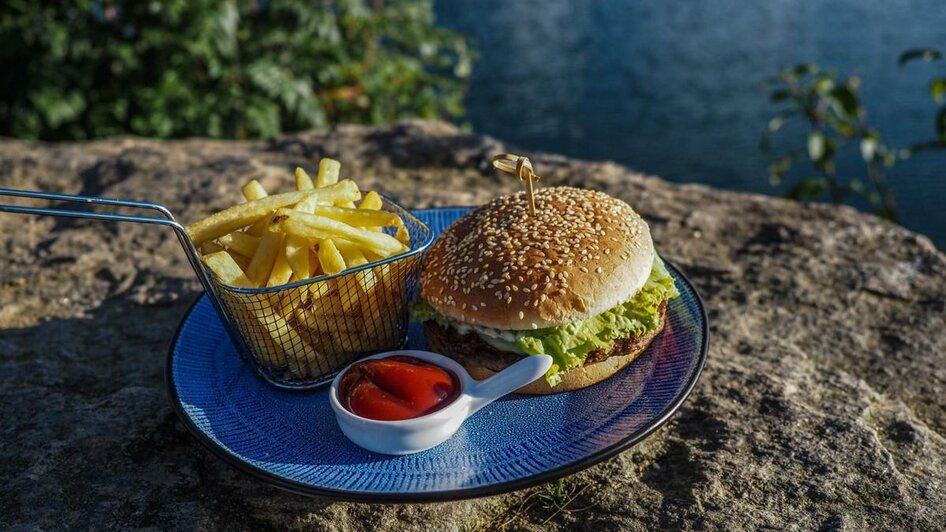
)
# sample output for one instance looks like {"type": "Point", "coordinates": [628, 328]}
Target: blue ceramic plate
{"type": "Point", "coordinates": [290, 439]}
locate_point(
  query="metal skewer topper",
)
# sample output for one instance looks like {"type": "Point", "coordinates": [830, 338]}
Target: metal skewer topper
{"type": "Point", "coordinates": [520, 166]}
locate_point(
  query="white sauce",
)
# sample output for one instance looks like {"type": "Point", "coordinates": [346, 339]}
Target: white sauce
{"type": "Point", "coordinates": [498, 339]}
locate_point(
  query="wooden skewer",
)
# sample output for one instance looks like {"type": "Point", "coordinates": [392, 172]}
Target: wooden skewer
{"type": "Point", "coordinates": [521, 167]}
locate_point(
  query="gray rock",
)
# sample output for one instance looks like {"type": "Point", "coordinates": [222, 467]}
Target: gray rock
{"type": "Point", "coordinates": [823, 404]}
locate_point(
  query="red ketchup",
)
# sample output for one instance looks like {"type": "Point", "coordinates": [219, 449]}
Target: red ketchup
{"type": "Point", "coordinates": [395, 388]}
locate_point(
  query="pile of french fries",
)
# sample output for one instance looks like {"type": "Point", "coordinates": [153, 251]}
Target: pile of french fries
{"type": "Point", "coordinates": [275, 240]}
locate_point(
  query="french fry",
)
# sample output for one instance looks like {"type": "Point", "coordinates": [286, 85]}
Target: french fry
{"type": "Point", "coordinates": [321, 329]}
{"type": "Point", "coordinates": [359, 217]}
{"type": "Point", "coordinates": [331, 260]}
{"type": "Point", "coordinates": [314, 301]}
{"type": "Point", "coordinates": [281, 271]}
{"type": "Point", "coordinates": [315, 267]}
{"type": "Point", "coordinates": [259, 227]}
{"type": "Point", "coordinates": [320, 228]}
{"type": "Point", "coordinates": [351, 253]}
{"type": "Point", "coordinates": [288, 343]}
{"type": "Point", "coordinates": [371, 201]}
{"type": "Point", "coordinates": [253, 191]}
{"type": "Point", "coordinates": [297, 254]}
{"type": "Point", "coordinates": [275, 342]}
{"type": "Point", "coordinates": [303, 181]}
{"type": "Point", "coordinates": [333, 302]}
{"type": "Point", "coordinates": [328, 172]}
{"type": "Point", "coordinates": [229, 220]}
{"type": "Point", "coordinates": [402, 235]}
{"type": "Point", "coordinates": [253, 329]}
{"type": "Point", "coordinates": [262, 264]}
{"type": "Point", "coordinates": [349, 335]}
{"type": "Point", "coordinates": [368, 287]}
{"type": "Point", "coordinates": [282, 302]}
{"type": "Point", "coordinates": [243, 262]}
{"type": "Point", "coordinates": [372, 256]}
{"type": "Point", "coordinates": [345, 190]}
{"type": "Point", "coordinates": [238, 216]}
{"type": "Point", "coordinates": [210, 247]}
{"type": "Point", "coordinates": [226, 270]}
{"type": "Point", "coordinates": [243, 243]}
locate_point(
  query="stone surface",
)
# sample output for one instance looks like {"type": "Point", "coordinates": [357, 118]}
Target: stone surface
{"type": "Point", "coordinates": [823, 404]}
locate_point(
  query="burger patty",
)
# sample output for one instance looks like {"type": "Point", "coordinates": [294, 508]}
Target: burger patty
{"type": "Point", "coordinates": [470, 349]}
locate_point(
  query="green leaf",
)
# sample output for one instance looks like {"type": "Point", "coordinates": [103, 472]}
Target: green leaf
{"type": "Point", "coordinates": [58, 108]}
{"type": "Point", "coordinates": [262, 119]}
{"type": "Point", "coordinates": [848, 101]}
{"type": "Point", "coordinates": [886, 214]}
{"type": "Point", "coordinates": [775, 123]}
{"type": "Point", "coordinates": [868, 149]}
{"type": "Point", "coordinates": [921, 54]}
{"type": "Point", "coordinates": [805, 69]}
{"type": "Point", "coordinates": [811, 188]}
{"type": "Point", "coordinates": [890, 159]}
{"type": "Point", "coordinates": [816, 146]}
{"type": "Point", "coordinates": [779, 96]}
{"type": "Point", "coordinates": [225, 29]}
{"type": "Point", "coordinates": [844, 127]}
{"type": "Point", "coordinates": [781, 165]}
{"type": "Point", "coordinates": [242, 68]}
{"type": "Point", "coordinates": [938, 89]}
{"type": "Point", "coordinates": [823, 84]}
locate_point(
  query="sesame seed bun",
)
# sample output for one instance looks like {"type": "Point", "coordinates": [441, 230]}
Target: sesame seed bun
{"type": "Point", "coordinates": [583, 253]}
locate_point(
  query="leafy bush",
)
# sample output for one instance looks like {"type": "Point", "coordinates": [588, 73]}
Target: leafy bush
{"type": "Point", "coordinates": [222, 68]}
{"type": "Point", "coordinates": [834, 113]}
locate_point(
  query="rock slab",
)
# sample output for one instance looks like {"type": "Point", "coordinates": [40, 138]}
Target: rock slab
{"type": "Point", "coordinates": [823, 403]}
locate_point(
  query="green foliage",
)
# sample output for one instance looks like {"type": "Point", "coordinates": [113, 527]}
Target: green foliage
{"type": "Point", "coordinates": [835, 117]}
{"type": "Point", "coordinates": [222, 68]}
{"type": "Point", "coordinates": [925, 54]}
{"type": "Point", "coordinates": [557, 497]}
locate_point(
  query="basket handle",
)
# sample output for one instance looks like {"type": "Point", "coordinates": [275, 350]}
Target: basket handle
{"type": "Point", "coordinates": [166, 219]}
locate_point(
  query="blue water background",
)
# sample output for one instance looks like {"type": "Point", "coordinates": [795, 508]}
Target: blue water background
{"type": "Point", "coordinates": [670, 87]}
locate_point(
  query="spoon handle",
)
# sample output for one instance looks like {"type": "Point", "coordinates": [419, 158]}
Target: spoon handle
{"type": "Point", "coordinates": [516, 376]}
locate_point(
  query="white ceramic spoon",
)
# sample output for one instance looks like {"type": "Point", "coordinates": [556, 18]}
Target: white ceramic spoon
{"type": "Point", "coordinates": [421, 433]}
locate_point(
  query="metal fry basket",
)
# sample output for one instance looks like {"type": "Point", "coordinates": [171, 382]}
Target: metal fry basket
{"type": "Point", "coordinates": [299, 335]}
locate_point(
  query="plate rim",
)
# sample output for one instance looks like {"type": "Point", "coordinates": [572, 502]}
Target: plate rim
{"type": "Point", "coordinates": [406, 497]}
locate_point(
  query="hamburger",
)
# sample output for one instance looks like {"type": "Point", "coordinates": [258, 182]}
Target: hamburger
{"type": "Point", "coordinates": [579, 281]}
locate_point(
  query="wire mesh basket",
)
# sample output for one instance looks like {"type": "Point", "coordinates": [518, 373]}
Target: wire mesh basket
{"type": "Point", "coordinates": [303, 333]}
{"type": "Point", "coordinates": [299, 335]}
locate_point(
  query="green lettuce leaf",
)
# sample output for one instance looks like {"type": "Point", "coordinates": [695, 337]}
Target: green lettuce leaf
{"type": "Point", "coordinates": [569, 345]}
{"type": "Point", "coordinates": [422, 311]}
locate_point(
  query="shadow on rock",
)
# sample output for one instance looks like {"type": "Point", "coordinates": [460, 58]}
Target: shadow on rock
{"type": "Point", "coordinates": [90, 439]}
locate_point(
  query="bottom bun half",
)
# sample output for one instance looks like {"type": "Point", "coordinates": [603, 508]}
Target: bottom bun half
{"type": "Point", "coordinates": [483, 361]}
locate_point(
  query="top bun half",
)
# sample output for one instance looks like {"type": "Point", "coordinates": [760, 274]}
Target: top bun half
{"type": "Point", "coordinates": [583, 253]}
